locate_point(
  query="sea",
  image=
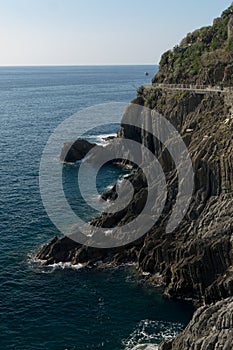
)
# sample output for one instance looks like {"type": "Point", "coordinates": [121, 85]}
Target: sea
{"type": "Point", "coordinates": [63, 307]}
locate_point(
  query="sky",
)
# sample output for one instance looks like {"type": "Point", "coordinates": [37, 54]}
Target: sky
{"type": "Point", "coordinates": [97, 32]}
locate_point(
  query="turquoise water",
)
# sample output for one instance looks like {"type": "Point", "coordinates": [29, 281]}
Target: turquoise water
{"type": "Point", "coordinates": [56, 308]}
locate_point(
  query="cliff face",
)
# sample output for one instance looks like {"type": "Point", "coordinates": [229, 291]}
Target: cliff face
{"type": "Point", "coordinates": [210, 328]}
{"type": "Point", "coordinates": [196, 260]}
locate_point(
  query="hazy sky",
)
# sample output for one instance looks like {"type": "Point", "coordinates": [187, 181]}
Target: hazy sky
{"type": "Point", "coordinates": [77, 32]}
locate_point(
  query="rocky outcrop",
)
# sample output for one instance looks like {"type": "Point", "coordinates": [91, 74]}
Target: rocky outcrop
{"type": "Point", "coordinates": [75, 151]}
{"type": "Point", "coordinates": [210, 329]}
{"type": "Point", "coordinates": [67, 250]}
{"type": "Point", "coordinates": [82, 149]}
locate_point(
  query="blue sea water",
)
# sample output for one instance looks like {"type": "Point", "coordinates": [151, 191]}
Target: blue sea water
{"type": "Point", "coordinates": [59, 308]}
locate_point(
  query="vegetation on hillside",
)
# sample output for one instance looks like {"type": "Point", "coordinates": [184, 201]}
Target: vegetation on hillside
{"type": "Point", "coordinates": [203, 57]}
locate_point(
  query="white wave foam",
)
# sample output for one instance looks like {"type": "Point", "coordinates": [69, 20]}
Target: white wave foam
{"type": "Point", "coordinates": [66, 265]}
{"type": "Point", "coordinates": [148, 334]}
{"type": "Point", "coordinates": [38, 263]}
{"type": "Point", "coordinates": [109, 187]}
{"type": "Point", "coordinates": [104, 136]}
{"type": "Point", "coordinates": [101, 140]}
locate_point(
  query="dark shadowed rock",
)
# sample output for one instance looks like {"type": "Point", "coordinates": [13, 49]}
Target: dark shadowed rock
{"type": "Point", "coordinates": [109, 138]}
{"type": "Point", "coordinates": [58, 250]}
{"type": "Point", "coordinates": [210, 329]}
{"type": "Point", "coordinates": [75, 151]}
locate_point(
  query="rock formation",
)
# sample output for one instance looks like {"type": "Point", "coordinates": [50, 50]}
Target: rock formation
{"type": "Point", "coordinates": [75, 151]}
{"type": "Point", "coordinates": [196, 260]}
{"type": "Point", "coordinates": [210, 328]}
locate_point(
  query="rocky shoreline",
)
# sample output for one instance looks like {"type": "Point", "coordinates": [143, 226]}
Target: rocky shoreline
{"type": "Point", "coordinates": [196, 260]}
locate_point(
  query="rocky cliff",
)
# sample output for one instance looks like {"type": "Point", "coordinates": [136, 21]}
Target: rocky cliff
{"type": "Point", "coordinates": [210, 328]}
{"type": "Point", "coordinates": [196, 260]}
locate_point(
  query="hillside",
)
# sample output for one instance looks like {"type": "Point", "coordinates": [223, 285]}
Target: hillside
{"type": "Point", "coordinates": [203, 57]}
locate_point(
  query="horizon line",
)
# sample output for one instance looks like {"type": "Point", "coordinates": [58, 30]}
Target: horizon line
{"type": "Point", "coordinates": [79, 65]}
